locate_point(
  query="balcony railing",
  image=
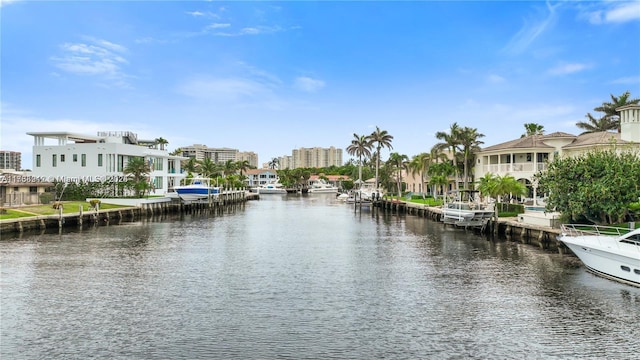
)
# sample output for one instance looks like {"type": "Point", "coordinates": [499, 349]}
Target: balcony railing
{"type": "Point", "coordinates": [514, 168]}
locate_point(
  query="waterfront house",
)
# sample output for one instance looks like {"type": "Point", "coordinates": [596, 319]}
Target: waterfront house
{"type": "Point", "coordinates": [257, 177]}
{"type": "Point", "coordinates": [21, 188]}
{"type": "Point", "coordinates": [66, 156]}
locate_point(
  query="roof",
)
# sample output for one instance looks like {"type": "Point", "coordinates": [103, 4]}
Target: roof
{"type": "Point", "coordinates": [527, 142]}
{"type": "Point", "coordinates": [65, 134]}
{"type": "Point", "coordinates": [596, 138]}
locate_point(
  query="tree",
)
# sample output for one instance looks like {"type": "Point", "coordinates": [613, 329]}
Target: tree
{"type": "Point", "coordinates": [468, 140]}
{"type": "Point", "coordinates": [597, 186]}
{"type": "Point", "coordinates": [440, 173]}
{"type": "Point", "coordinates": [137, 169]}
{"type": "Point", "coordinates": [398, 162]}
{"type": "Point", "coordinates": [450, 141]}
{"type": "Point", "coordinates": [379, 139]}
{"type": "Point", "coordinates": [533, 129]}
{"type": "Point", "coordinates": [229, 168]}
{"type": "Point", "coordinates": [274, 163]}
{"type": "Point", "coordinates": [360, 147]}
{"type": "Point", "coordinates": [597, 125]}
{"type": "Point", "coordinates": [208, 168]}
{"type": "Point", "coordinates": [609, 108]}
{"type": "Point", "coordinates": [162, 142]}
{"type": "Point", "coordinates": [419, 164]}
{"type": "Point", "coordinates": [243, 166]}
{"type": "Point", "coordinates": [191, 166]}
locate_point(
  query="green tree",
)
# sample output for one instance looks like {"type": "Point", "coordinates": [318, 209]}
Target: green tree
{"type": "Point", "coordinates": [439, 173]}
{"type": "Point", "coordinates": [360, 147]}
{"type": "Point", "coordinates": [450, 141]}
{"type": "Point", "coordinates": [609, 108]}
{"type": "Point", "coordinates": [229, 168]}
{"type": "Point", "coordinates": [243, 166]}
{"type": "Point", "coordinates": [380, 139]}
{"type": "Point", "coordinates": [137, 169]}
{"type": "Point", "coordinates": [162, 142]}
{"type": "Point", "coordinates": [468, 138]}
{"type": "Point", "coordinates": [191, 166]}
{"type": "Point", "coordinates": [274, 163]}
{"type": "Point", "coordinates": [398, 162]}
{"type": "Point", "coordinates": [208, 168]}
{"type": "Point", "coordinates": [533, 129]}
{"type": "Point", "coordinates": [419, 165]}
{"type": "Point", "coordinates": [604, 123]}
{"type": "Point", "coordinates": [597, 186]}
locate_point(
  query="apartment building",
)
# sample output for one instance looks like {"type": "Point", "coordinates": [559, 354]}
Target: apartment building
{"type": "Point", "coordinates": [10, 160]}
{"type": "Point", "coordinates": [316, 157]}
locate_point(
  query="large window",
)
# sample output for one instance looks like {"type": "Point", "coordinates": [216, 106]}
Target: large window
{"type": "Point", "coordinates": [99, 159]}
{"type": "Point", "coordinates": [38, 160]}
{"type": "Point", "coordinates": [75, 157]}
{"type": "Point", "coordinates": [54, 160]}
{"type": "Point", "coordinates": [84, 160]}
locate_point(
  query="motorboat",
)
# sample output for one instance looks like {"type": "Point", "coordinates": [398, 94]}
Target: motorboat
{"type": "Point", "coordinates": [271, 188]}
{"type": "Point", "coordinates": [610, 252]}
{"type": "Point", "coordinates": [322, 187]}
{"type": "Point", "coordinates": [197, 190]}
{"type": "Point", "coordinates": [463, 208]}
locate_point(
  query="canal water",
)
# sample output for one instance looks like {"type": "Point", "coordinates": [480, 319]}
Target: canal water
{"type": "Point", "coordinates": [303, 277]}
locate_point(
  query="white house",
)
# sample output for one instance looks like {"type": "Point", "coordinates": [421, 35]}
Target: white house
{"type": "Point", "coordinates": [66, 156]}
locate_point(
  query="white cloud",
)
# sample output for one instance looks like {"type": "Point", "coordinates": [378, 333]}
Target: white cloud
{"type": "Point", "coordinates": [564, 69]}
{"type": "Point", "coordinates": [634, 80]}
{"type": "Point", "coordinates": [531, 30]}
{"type": "Point", "coordinates": [227, 89]}
{"type": "Point", "coordinates": [97, 57]}
{"type": "Point", "coordinates": [617, 13]}
{"type": "Point", "coordinates": [308, 84]}
{"type": "Point", "coordinates": [495, 79]}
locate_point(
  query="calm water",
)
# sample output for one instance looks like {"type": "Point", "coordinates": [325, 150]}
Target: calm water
{"type": "Point", "coordinates": [303, 278]}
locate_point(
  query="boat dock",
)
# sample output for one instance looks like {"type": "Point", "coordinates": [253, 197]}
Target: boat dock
{"type": "Point", "coordinates": [512, 228]}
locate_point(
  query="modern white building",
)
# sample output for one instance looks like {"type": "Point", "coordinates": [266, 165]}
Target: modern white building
{"type": "Point", "coordinates": [66, 156]}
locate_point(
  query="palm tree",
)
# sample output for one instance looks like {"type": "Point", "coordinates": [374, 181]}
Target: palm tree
{"type": "Point", "coordinates": [609, 108]}
{"type": "Point", "coordinates": [274, 163]}
{"type": "Point", "coordinates": [451, 142]}
{"type": "Point", "coordinates": [398, 162]}
{"type": "Point", "coordinates": [360, 147]}
{"type": "Point", "coordinates": [229, 168]}
{"type": "Point", "coordinates": [533, 129]}
{"type": "Point", "coordinates": [137, 169]}
{"type": "Point", "coordinates": [605, 123]}
{"type": "Point", "coordinates": [468, 139]}
{"type": "Point", "coordinates": [380, 138]}
{"type": "Point", "coordinates": [439, 173]}
{"type": "Point", "coordinates": [243, 166]}
{"type": "Point", "coordinates": [162, 142]}
{"type": "Point", "coordinates": [420, 165]}
{"type": "Point", "coordinates": [208, 168]}
{"type": "Point", "coordinates": [175, 152]}
{"type": "Point", "coordinates": [191, 166]}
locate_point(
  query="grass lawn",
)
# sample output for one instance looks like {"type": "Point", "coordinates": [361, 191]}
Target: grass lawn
{"type": "Point", "coordinates": [67, 208]}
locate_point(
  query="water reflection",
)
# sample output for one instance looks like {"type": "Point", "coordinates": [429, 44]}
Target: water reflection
{"type": "Point", "coordinates": [303, 277]}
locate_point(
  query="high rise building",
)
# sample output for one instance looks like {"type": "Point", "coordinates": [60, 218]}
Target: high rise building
{"type": "Point", "coordinates": [316, 157]}
{"type": "Point", "coordinates": [10, 160]}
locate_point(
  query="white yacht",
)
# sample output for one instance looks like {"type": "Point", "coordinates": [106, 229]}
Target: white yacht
{"type": "Point", "coordinates": [611, 252]}
{"type": "Point", "coordinates": [463, 208]}
{"type": "Point", "coordinates": [322, 187]}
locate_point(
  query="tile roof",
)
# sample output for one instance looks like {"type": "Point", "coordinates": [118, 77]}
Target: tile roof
{"type": "Point", "coordinates": [596, 138]}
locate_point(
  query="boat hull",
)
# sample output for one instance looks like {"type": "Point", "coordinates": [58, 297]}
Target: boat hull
{"type": "Point", "coordinates": [192, 193]}
{"type": "Point", "coordinates": [596, 255]}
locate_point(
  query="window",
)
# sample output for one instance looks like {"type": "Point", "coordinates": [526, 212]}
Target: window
{"type": "Point", "coordinates": [75, 157]}
{"type": "Point", "coordinates": [38, 160]}
{"type": "Point", "coordinates": [625, 268]}
{"type": "Point", "coordinates": [61, 157]}
{"type": "Point", "coordinates": [157, 182]}
{"type": "Point", "coordinates": [84, 160]}
{"type": "Point", "coordinates": [54, 160]}
{"type": "Point", "coordinates": [33, 189]}
{"type": "Point", "coordinates": [99, 159]}
{"type": "Point", "coordinates": [528, 157]}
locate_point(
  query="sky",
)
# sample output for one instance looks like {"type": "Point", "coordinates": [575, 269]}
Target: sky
{"type": "Point", "coordinates": [270, 77]}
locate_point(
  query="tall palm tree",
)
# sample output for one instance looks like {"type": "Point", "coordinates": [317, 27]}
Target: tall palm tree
{"type": "Point", "coordinates": [439, 173]}
{"type": "Point", "coordinates": [208, 168]}
{"type": "Point", "coordinates": [380, 139]}
{"type": "Point", "coordinates": [243, 166]}
{"type": "Point", "coordinates": [605, 123]}
{"type": "Point", "coordinates": [450, 141]}
{"type": "Point", "coordinates": [137, 169]}
{"type": "Point", "coordinates": [191, 165]}
{"type": "Point", "coordinates": [533, 129]}
{"type": "Point", "coordinates": [609, 108]}
{"type": "Point", "coordinates": [360, 147]}
{"type": "Point", "coordinates": [229, 168]}
{"type": "Point", "coordinates": [419, 164]}
{"type": "Point", "coordinates": [398, 163]}
{"type": "Point", "coordinates": [468, 140]}
{"type": "Point", "coordinates": [274, 163]}
{"type": "Point", "coordinates": [162, 142]}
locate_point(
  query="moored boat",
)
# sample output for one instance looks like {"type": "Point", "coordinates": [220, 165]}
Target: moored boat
{"type": "Point", "coordinates": [199, 189]}
{"type": "Point", "coordinates": [322, 187]}
{"type": "Point", "coordinates": [463, 208]}
{"type": "Point", "coordinates": [271, 188]}
{"type": "Point", "coordinates": [610, 252]}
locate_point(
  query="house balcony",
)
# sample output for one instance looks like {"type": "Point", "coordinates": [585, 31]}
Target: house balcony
{"type": "Point", "coordinates": [514, 169]}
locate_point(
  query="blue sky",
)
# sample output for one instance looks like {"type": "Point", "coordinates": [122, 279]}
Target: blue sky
{"type": "Point", "coordinates": [269, 76]}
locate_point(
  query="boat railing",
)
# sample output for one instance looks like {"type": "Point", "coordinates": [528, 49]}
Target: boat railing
{"type": "Point", "coordinates": [592, 230]}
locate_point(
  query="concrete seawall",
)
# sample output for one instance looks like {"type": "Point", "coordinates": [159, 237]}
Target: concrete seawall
{"type": "Point", "coordinates": [139, 209]}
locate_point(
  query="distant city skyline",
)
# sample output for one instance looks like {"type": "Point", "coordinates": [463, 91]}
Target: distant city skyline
{"type": "Point", "coordinates": [269, 77]}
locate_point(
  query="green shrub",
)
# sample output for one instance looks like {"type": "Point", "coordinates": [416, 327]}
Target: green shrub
{"type": "Point", "coordinates": [46, 197]}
